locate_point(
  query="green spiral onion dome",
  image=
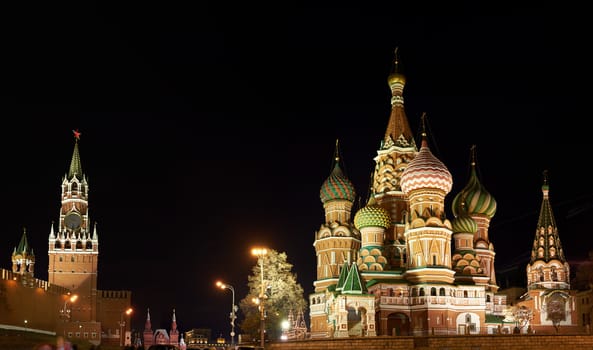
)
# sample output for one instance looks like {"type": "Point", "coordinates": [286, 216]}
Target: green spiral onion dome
{"type": "Point", "coordinates": [337, 186]}
{"type": "Point", "coordinates": [372, 215]}
{"type": "Point", "coordinates": [474, 196]}
{"type": "Point", "coordinates": [464, 224]}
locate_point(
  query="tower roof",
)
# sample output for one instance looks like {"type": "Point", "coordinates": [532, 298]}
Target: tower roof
{"type": "Point", "coordinates": [354, 283]}
{"type": "Point", "coordinates": [23, 247]}
{"type": "Point", "coordinates": [398, 130]}
{"type": "Point", "coordinates": [546, 245]}
{"type": "Point", "coordinates": [337, 185]}
{"type": "Point", "coordinates": [75, 164]}
{"type": "Point", "coordinates": [342, 277]}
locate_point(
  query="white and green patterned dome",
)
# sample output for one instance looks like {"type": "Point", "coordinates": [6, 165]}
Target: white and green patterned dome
{"type": "Point", "coordinates": [474, 196]}
{"type": "Point", "coordinates": [464, 224]}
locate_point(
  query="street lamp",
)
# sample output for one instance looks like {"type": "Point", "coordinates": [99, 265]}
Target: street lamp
{"type": "Point", "coordinates": [66, 310]}
{"type": "Point", "coordinates": [222, 285]}
{"type": "Point", "coordinates": [122, 324]}
{"type": "Point", "coordinates": [260, 253]}
{"type": "Point", "coordinates": [285, 326]}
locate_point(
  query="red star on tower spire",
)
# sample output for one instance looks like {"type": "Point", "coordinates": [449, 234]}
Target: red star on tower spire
{"type": "Point", "coordinates": [76, 134]}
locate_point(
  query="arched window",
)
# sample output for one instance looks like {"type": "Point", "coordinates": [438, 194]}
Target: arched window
{"type": "Point", "coordinates": [442, 292]}
{"type": "Point", "coordinates": [421, 292]}
{"type": "Point", "coordinates": [433, 291]}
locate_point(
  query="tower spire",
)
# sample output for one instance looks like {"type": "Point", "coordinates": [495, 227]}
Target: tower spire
{"type": "Point", "coordinates": [398, 132]}
{"type": "Point", "coordinates": [337, 152]}
{"type": "Point", "coordinates": [75, 164]}
{"type": "Point", "coordinates": [548, 267]}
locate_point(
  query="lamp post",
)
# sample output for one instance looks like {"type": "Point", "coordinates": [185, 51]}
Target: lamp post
{"type": "Point", "coordinates": [66, 310]}
{"type": "Point", "coordinates": [222, 285]}
{"type": "Point", "coordinates": [122, 324]}
{"type": "Point", "coordinates": [260, 253]}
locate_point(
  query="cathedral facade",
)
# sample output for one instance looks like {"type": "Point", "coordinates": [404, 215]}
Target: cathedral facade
{"type": "Point", "coordinates": [399, 266]}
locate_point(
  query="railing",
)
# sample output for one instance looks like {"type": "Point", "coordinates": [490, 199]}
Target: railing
{"type": "Point", "coordinates": [431, 300]}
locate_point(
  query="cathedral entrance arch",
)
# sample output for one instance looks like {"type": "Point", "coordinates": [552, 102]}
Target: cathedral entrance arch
{"type": "Point", "coordinates": [398, 324]}
{"type": "Point", "coordinates": [357, 321]}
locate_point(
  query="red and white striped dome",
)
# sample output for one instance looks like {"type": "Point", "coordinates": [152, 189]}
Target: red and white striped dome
{"type": "Point", "coordinates": [426, 171]}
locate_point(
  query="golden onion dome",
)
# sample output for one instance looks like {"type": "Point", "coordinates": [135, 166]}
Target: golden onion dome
{"type": "Point", "coordinates": [396, 78]}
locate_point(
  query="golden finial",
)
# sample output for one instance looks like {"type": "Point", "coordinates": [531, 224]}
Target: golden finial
{"type": "Point", "coordinates": [473, 155]}
{"type": "Point", "coordinates": [423, 120]}
{"type": "Point", "coordinates": [337, 153]}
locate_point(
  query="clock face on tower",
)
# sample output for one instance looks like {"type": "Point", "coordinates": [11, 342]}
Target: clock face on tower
{"type": "Point", "coordinates": [72, 221]}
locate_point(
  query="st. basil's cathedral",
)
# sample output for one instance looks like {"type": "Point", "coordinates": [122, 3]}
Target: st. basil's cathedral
{"type": "Point", "coordinates": [399, 266]}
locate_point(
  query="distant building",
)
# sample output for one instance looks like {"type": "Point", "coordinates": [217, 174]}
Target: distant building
{"type": "Point", "coordinates": [198, 336]}
{"type": "Point", "coordinates": [161, 336]}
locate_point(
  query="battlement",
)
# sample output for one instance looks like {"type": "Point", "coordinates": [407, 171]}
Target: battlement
{"type": "Point", "coordinates": [29, 281]}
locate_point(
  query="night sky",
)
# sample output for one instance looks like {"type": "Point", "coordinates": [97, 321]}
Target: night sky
{"type": "Point", "coordinates": [207, 130]}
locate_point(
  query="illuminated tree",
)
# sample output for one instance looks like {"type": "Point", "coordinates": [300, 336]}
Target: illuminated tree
{"type": "Point", "coordinates": [282, 295]}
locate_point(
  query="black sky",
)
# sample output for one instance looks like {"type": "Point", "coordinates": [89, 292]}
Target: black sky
{"type": "Point", "coordinates": [209, 129]}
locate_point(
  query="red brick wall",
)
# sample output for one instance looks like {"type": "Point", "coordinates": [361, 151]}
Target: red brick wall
{"type": "Point", "coordinates": [472, 342]}
{"type": "Point", "coordinates": [38, 305]}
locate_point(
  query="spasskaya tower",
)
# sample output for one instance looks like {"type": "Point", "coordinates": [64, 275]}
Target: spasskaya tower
{"type": "Point", "coordinates": [74, 247]}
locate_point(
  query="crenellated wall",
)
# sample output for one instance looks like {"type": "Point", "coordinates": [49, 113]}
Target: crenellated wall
{"type": "Point", "coordinates": [26, 298]}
